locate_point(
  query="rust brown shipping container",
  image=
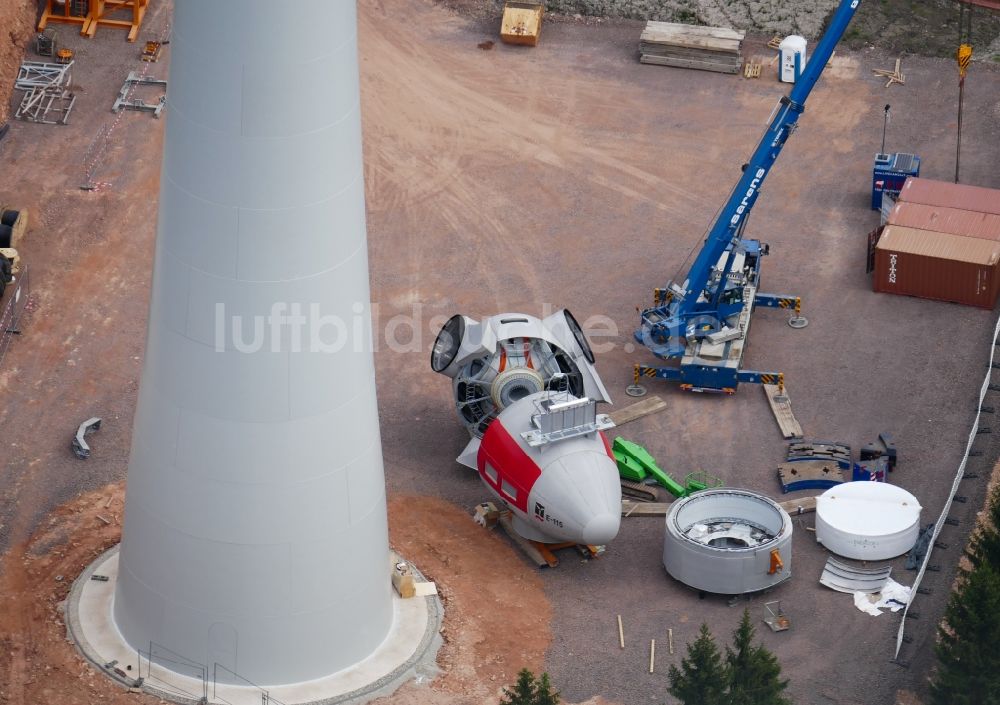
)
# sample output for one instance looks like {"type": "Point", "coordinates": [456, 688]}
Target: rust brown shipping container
{"type": "Point", "coordinates": [938, 266]}
{"type": "Point", "coordinates": [948, 195]}
{"type": "Point", "coordinates": [945, 220]}
{"type": "Point", "coordinates": [991, 4]}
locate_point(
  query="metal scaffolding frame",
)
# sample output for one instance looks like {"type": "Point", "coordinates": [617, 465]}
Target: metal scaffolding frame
{"type": "Point", "coordinates": [47, 98]}
{"type": "Point", "coordinates": [124, 101]}
{"type": "Point", "coordinates": [41, 74]}
{"type": "Point", "coordinates": [46, 106]}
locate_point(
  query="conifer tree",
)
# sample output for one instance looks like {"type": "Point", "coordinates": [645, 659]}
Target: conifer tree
{"type": "Point", "coordinates": [984, 547]}
{"type": "Point", "coordinates": [530, 690]}
{"type": "Point", "coordinates": [523, 692]}
{"type": "Point", "coordinates": [701, 679]}
{"type": "Point", "coordinates": [544, 693]}
{"type": "Point", "coordinates": [968, 648]}
{"type": "Point", "coordinates": [753, 673]}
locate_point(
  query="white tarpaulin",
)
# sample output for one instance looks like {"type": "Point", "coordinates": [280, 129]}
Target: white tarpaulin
{"type": "Point", "coordinates": [893, 596]}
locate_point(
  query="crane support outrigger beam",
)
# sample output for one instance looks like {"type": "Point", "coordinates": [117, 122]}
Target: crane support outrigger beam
{"type": "Point", "coordinates": [705, 320]}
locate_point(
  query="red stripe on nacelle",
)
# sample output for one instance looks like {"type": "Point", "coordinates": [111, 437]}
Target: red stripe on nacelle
{"type": "Point", "coordinates": [607, 446]}
{"type": "Point", "coordinates": [511, 463]}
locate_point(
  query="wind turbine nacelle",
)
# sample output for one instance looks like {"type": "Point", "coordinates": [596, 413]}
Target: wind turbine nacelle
{"type": "Point", "coordinates": [547, 460]}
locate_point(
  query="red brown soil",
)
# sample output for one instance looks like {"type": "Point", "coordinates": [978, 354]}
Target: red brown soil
{"type": "Point", "coordinates": [496, 618]}
{"type": "Point", "coordinates": [17, 18]}
{"type": "Point", "coordinates": [907, 697]}
{"type": "Point", "coordinates": [496, 613]}
{"type": "Point", "coordinates": [37, 663]}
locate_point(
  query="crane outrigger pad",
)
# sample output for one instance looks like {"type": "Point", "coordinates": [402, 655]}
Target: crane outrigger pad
{"type": "Point", "coordinates": [781, 407]}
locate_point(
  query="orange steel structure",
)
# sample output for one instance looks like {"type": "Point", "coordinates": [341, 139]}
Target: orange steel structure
{"type": "Point", "coordinates": [90, 15]}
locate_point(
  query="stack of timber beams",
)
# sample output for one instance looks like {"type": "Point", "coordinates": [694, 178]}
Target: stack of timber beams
{"type": "Point", "coordinates": [691, 47]}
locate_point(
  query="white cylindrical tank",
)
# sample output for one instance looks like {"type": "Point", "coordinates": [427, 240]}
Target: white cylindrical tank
{"type": "Point", "coordinates": [792, 58]}
{"type": "Point", "coordinates": [728, 541]}
{"type": "Point", "coordinates": [867, 520]}
{"type": "Point", "coordinates": [255, 530]}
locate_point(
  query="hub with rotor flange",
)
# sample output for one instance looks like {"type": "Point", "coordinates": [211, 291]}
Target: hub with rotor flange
{"type": "Point", "coordinates": [515, 384]}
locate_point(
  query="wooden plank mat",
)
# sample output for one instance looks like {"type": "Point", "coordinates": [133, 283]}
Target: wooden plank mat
{"type": "Point", "coordinates": [638, 410]}
{"type": "Point", "coordinates": [682, 52]}
{"type": "Point", "coordinates": [655, 27]}
{"type": "Point", "coordinates": [799, 506]}
{"type": "Point", "coordinates": [803, 505]}
{"type": "Point", "coordinates": [689, 64]}
{"type": "Point", "coordinates": [686, 46]}
{"type": "Point", "coordinates": [704, 43]}
{"type": "Point", "coordinates": [781, 407]}
{"type": "Point", "coordinates": [644, 509]}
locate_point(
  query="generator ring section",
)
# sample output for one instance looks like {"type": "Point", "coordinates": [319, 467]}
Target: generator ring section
{"type": "Point", "coordinates": [514, 385]}
{"type": "Point", "coordinates": [728, 541]}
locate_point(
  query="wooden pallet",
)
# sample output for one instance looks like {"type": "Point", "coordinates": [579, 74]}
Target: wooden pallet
{"type": "Point", "coordinates": [637, 410]}
{"type": "Point", "coordinates": [752, 68]}
{"type": "Point", "coordinates": [781, 407]}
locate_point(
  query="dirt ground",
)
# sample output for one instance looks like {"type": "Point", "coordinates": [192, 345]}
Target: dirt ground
{"type": "Point", "coordinates": [503, 180]}
{"type": "Point", "coordinates": [17, 19]}
{"type": "Point", "coordinates": [39, 666]}
{"type": "Point", "coordinates": [496, 613]}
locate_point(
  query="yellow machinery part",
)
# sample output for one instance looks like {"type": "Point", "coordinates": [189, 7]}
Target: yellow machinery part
{"type": "Point", "coordinates": [776, 563]}
{"type": "Point", "coordinates": [522, 22]}
{"type": "Point", "coordinates": [964, 57]}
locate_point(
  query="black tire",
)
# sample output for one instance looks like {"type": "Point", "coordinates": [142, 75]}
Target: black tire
{"type": "Point", "coordinates": [9, 218]}
{"type": "Point", "coordinates": [6, 234]}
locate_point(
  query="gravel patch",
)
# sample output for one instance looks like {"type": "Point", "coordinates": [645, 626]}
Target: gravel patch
{"type": "Point", "coordinates": [783, 17]}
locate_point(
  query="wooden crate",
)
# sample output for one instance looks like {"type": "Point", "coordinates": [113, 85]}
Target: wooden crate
{"type": "Point", "coordinates": [522, 23]}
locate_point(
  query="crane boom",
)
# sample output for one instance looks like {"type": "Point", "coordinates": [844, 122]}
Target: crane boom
{"type": "Point", "coordinates": [705, 319]}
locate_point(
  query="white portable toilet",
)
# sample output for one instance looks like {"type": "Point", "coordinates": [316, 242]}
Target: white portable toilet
{"type": "Point", "coordinates": [792, 58]}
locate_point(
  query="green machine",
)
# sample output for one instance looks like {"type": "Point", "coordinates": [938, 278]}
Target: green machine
{"type": "Point", "coordinates": [636, 467]}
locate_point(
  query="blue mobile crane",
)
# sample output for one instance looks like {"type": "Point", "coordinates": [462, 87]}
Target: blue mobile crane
{"type": "Point", "coordinates": [705, 320]}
